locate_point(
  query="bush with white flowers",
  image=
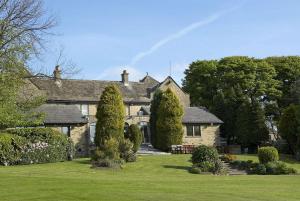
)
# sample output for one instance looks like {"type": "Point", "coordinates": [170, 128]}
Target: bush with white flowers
{"type": "Point", "coordinates": [34, 145]}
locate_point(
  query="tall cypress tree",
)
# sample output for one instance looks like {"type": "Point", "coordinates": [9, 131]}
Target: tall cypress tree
{"type": "Point", "coordinates": [153, 116]}
{"type": "Point", "coordinates": [169, 121]}
{"type": "Point", "coordinates": [110, 116]}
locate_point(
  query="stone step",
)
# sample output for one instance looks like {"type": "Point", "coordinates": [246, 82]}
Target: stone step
{"type": "Point", "coordinates": [233, 171]}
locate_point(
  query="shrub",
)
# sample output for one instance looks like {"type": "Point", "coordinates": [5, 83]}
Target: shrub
{"type": "Point", "coordinates": [34, 145]}
{"type": "Point", "coordinates": [108, 163]}
{"type": "Point", "coordinates": [195, 170]}
{"type": "Point", "coordinates": [11, 148]}
{"type": "Point", "coordinates": [267, 154]}
{"type": "Point", "coordinates": [279, 167]}
{"type": "Point", "coordinates": [205, 166]}
{"type": "Point", "coordinates": [110, 149]}
{"type": "Point", "coordinates": [135, 136]}
{"type": "Point", "coordinates": [204, 153]}
{"type": "Point", "coordinates": [126, 151]}
{"type": "Point", "coordinates": [228, 158]}
{"type": "Point", "coordinates": [219, 168]}
{"type": "Point", "coordinates": [45, 145]}
{"type": "Point", "coordinates": [107, 155]}
{"type": "Point", "coordinates": [258, 168]}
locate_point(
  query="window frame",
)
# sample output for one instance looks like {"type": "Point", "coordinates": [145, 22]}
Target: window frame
{"type": "Point", "coordinates": [193, 126]}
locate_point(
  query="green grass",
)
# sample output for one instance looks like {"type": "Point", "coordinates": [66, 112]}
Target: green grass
{"type": "Point", "coordinates": [151, 178]}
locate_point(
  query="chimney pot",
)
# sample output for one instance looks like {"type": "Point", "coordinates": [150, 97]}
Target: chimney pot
{"type": "Point", "coordinates": [125, 79]}
{"type": "Point", "coordinates": [57, 72]}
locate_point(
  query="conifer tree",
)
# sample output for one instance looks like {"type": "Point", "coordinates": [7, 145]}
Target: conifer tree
{"type": "Point", "coordinates": [110, 116]}
{"type": "Point", "coordinates": [169, 121]}
{"type": "Point", "coordinates": [135, 136]}
{"type": "Point", "coordinates": [153, 116]}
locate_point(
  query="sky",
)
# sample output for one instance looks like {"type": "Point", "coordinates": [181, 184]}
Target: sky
{"type": "Point", "coordinates": [162, 37]}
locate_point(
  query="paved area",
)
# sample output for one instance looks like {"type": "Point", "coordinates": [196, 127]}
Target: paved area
{"type": "Point", "coordinates": [147, 149]}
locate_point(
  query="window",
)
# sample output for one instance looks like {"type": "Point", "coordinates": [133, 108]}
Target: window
{"type": "Point", "coordinates": [197, 130]}
{"type": "Point", "coordinates": [193, 130]}
{"type": "Point", "coordinates": [189, 130]}
{"type": "Point", "coordinates": [92, 132]}
{"type": "Point", "coordinates": [84, 109]}
{"type": "Point", "coordinates": [140, 113]}
{"type": "Point", "coordinates": [66, 130]}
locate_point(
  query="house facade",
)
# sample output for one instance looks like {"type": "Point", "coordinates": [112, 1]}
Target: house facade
{"type": "Point", "coordinates": [72, 104]}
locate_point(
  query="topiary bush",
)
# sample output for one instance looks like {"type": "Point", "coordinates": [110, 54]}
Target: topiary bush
{"type": "Point", "coordinates": [267, 154]}
{"type": "Point", "coordinates": [34, 145]}
{"type": "Point", "coordinates": [204, 153]}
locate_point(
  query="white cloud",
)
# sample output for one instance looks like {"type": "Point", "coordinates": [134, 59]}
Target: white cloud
{"type": "Point", "coordinates": [178, 35]}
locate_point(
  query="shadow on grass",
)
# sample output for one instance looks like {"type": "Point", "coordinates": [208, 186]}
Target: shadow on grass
{"type": "Point", "coordinates": [289, 159]}
{"type": "Point", "coordinates": [82, 161]}
{"type": "Point", "coordinates": [177, 167]}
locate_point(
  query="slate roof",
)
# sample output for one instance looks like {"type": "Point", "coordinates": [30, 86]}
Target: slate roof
{"type": "Point", "coordinates": [199, 115]}
{"type": "Point", "coordinates": [193, 115]}
{"type": "Point", "coordinates": [62, 114]}
{"type": "Point", "coordinates": [91, 90]}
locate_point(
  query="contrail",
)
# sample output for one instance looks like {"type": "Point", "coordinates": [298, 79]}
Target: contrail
{"type": "Point", "coordinates": [179, 34]}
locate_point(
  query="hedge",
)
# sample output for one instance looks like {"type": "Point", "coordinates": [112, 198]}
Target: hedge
{"type": "Point", "coordinates": [34, 145]}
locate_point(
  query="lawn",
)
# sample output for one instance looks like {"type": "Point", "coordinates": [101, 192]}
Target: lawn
{"type": "Point", "coordinates": [151, 178]}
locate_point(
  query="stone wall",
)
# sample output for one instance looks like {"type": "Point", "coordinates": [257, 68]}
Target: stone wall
{"type": "Point", "coordinates": [210, 136]}
{"type": "Point", "coordinates": [184, 98]}
{"type": "Point", "coordinates": [80, 137]}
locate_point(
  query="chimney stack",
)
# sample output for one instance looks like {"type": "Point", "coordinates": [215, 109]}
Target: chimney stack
{"type": "Point", "coordinates": [57, 73]}
{"type": "Point", "coordinates": [124, 76]}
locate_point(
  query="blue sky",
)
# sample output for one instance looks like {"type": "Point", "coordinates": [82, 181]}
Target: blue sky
{"type": "Point", "coordinates": [105, 37]}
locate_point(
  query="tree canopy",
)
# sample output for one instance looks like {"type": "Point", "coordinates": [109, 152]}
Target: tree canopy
{"type": "Point", "coordinates": [227, 86]}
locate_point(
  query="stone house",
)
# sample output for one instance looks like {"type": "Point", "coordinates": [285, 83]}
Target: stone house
{"type": "Point", "coordinates": [72, 104]}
